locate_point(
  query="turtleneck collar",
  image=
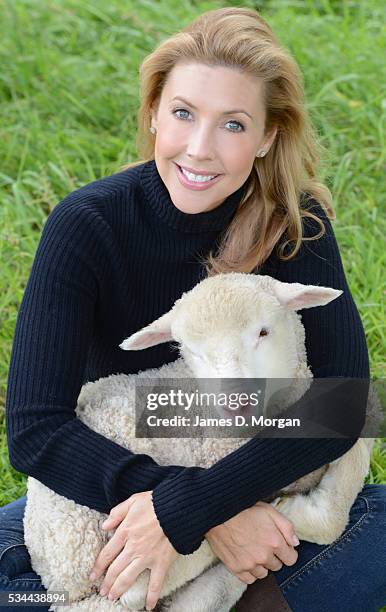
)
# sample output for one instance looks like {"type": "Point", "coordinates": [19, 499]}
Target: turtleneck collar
{"type": "Point", "coordinates": [158, 197]}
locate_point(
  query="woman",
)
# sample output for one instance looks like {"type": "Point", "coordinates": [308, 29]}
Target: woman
{"type": "Point", "coordinates": [221, 99]}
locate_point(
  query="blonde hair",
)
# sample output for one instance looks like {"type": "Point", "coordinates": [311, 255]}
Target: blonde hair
{"type": "Point", "coordinates": [271, 204]}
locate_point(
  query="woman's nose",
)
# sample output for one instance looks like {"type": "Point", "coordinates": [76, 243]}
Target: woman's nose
{"type": "Point", "coordinates": [201, 144]}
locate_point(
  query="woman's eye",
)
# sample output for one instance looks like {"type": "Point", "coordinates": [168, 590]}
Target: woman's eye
{"type": "Point", "coordinates": [238, 124]}
{"type": "Point", "coordinates": [183, 110]}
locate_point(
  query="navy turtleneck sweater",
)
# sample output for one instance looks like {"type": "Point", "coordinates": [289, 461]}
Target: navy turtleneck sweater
{"type": "Point", "coordinates": [113, 256]}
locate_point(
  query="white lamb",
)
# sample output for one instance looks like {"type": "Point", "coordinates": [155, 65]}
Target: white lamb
{"type": "Point", "coordinates": [228, 326]}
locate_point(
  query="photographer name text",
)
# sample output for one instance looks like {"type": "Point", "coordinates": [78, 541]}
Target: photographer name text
{"type": "Point", "coordinates": [235, 421]}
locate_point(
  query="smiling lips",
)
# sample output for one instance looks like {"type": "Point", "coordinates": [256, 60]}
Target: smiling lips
{"type": "Point", "coordinates": [198, 172]}
{"type": "Point", "coordinates": [196, 185]}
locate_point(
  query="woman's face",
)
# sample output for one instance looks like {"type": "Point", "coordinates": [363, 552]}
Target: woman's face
{"type": "Point", "coordinates": [199, 132]}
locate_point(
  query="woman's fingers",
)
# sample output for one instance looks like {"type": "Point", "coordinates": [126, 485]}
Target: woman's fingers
{"type": "Point", "coordinates": [116, 568]}
{"type": "Point", "coordinates": [117, 514]}
{"type": "Point", "coordinates": [112, 548]}
{"type": "Point", "coordinates": [110, 523]}
{"type": "Point", "coordinates": [126, 578]}
{"type": "Point", "coordinates": [260, 572]}
{"type": "Point", "coordinates": [286, 551]}
{"type": "Point", "coordinates": [157, 578]}
{"type": "Point", "coordinates": [107, 555]}
{"type": "Point", "coordinates": [124, 574]}
{"type": "Point", "coordinates": [144, 545]}
{"type": "Point", "coordinates": [286, 528]}
{"type": "Point", "coordinates": [284, 525]}
{"type": "Point", "coordinates": [247, 577]}
{"type": "Point", "coordinates": [287, 554]}
{"type": "Point", "coordinates": [274, 564]}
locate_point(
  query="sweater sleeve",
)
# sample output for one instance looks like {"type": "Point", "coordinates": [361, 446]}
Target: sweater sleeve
{"type": "Point", "coordinates": [45, 438]}
{"type": "Point", "coordinates": [335, 338]}
{"type": "Point", "coordinates": [336, 346]}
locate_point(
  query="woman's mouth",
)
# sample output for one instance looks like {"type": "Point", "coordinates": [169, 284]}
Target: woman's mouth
{"type": "Point", "coordinates": [198, 185]}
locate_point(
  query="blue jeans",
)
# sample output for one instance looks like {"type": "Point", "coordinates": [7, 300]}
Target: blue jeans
{"type": "Point", "coordinates": [16, 573]}
{"type": "Point", "coordinates": [348, 575]}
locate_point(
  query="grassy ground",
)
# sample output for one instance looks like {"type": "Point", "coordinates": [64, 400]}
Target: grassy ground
{"type": "Point", "coordinates": [69, 94]}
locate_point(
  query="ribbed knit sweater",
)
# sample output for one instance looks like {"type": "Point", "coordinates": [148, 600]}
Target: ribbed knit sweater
{"type": "Point", "coordinates": [115, 255]}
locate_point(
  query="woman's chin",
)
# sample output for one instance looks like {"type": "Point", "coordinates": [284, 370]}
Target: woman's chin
{"type": "Point", "coordinates": [190, 210]}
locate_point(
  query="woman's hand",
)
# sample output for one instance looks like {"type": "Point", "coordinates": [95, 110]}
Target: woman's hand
{"type": "Point", "coordinates": [254, 541]}
{"type": "Point", "coordinates": [138, 543]}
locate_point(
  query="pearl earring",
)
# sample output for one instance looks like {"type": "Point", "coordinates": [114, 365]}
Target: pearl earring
{"type": "Point", "coordinates": [153, 130]}
{"type": "Point", "coordinates": [261, 154]}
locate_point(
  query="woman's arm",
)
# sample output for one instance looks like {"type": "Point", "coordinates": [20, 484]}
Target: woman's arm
{"type": "Point", "coordinates": [51, 340]}
{"type": "Point", "coordinates": [336, 346]}
{"type": "Point", "coordinates": [335, 338]}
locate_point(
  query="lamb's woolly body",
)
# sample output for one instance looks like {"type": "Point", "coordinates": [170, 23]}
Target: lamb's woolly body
{"type": "Point", "coordinates": [64, 538]}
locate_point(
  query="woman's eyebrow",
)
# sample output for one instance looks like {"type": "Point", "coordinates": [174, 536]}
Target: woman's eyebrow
{"type": "Point", "coordinates": [230, 112]}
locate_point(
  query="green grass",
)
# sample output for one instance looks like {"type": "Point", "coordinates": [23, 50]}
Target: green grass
{"type": "Point", "coordinates": [69, 96]}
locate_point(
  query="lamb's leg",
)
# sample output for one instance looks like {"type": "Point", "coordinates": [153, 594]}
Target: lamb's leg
{"type": "Point", "coordinates": [215, 590]}
{"type": "Point", "coordinates": [321, 516]}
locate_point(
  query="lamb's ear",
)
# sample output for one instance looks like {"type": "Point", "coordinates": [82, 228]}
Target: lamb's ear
{"type": "Point", "coordinates": [296, 296]}
{"type": "Point", "coordinates": [156, 333]}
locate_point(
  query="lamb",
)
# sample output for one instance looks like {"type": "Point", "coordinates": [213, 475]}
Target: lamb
{"type": "Point", "coordinates": [224, 329]}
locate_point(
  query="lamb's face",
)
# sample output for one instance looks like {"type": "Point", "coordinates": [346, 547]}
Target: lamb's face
{"type": "Point", "coordinates": [237, 326]}
{"type": "Point", "coordinates": [230, 329]}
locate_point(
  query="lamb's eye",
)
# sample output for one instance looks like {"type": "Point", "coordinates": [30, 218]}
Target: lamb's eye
{"type": "Point", "coordinates": [263, 332]}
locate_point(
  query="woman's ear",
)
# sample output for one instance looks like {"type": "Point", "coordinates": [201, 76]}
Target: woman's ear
{"type": "Point", "coordinates": [154, 114]}
{"type": "Point", "coordinates": [268, 141]}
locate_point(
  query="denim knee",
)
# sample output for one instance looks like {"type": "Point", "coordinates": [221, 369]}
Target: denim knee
{"type": "Point", "coordinates": [15, 561]}
{"type": "Point", "coordinates": [349, 573]}
{"type": "Point", "coordinates": [375, 495]}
